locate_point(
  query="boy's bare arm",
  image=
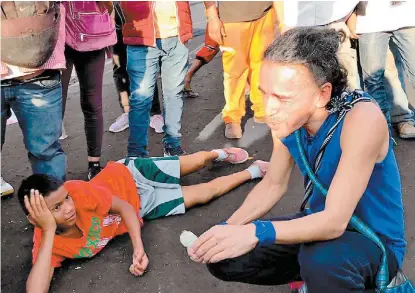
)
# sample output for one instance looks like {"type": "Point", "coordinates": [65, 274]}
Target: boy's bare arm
{"type": "Point", "coordinates": [42, 271]}
{"type": "Point", "coordinates": [129, 216]}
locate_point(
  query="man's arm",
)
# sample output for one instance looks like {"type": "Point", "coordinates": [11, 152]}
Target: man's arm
{"type": "Point", "coordinates": [215, 26]}
{"type": "Point", "coordinates": [362, 146]}
{"type": "Point", "coordinates": [270, 190]}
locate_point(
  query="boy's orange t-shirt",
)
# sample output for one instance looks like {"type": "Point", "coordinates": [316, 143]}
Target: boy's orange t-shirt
{"type": "Point", "coordinates": [93, 202]}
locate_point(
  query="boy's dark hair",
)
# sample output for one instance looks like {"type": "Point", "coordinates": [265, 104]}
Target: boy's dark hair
{"type": "Point", "coordinates": [44, 183]}
{"type": "Point", "coordinates": [314, 48]}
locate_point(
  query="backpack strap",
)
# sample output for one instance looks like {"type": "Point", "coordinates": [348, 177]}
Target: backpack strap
{"type": "Point", "coordinates": [382, 277]}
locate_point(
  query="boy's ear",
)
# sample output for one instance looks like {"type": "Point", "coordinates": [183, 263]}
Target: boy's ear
{"type": "Point", "coordinates": [31, 220]}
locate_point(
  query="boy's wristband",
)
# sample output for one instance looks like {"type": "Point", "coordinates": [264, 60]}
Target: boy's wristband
{"type": "Point", "coordinates": [223, 224]}
{"type": "Point", "coordinates": [265, 232]}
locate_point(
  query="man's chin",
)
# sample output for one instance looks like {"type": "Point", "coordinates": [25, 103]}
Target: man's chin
{"type": "Point", "coordinates": [280, 132]}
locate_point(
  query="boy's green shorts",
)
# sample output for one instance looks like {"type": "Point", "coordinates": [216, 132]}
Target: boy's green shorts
{"type": "Point", "coordinates": [157, 181]}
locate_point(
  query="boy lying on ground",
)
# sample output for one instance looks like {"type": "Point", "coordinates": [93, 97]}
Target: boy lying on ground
{"type": "Point", "coordinates": [76, 219]}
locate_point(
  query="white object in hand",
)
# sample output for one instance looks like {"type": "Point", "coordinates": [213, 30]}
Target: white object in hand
{"type": "Point", "coordinates": [187, 238]}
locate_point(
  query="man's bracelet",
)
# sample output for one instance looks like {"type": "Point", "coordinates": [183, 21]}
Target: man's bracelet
{"type": "Point", "coordinates": [265, 232]}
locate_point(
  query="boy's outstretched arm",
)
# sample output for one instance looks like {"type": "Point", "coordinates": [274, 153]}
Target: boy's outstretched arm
{"type": "Point", "coordinates": [39, 215]}
{"type": "Point", "coordinates": [129, 216]}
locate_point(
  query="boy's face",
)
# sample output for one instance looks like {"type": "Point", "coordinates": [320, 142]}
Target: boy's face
{"type": "Point", "coordinates": [291, 96]}
{"type": "Point", "coordinates": [62, 207]}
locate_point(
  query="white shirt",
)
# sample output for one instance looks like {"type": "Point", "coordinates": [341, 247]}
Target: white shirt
{"type": "Point", "coordinates": [314, 13]}
{"type": "Point", "coordinates": [381, 16]}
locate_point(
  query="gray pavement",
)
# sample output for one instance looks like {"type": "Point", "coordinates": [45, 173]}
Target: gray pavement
{"type": "Point", "coordinates": [170, 269]}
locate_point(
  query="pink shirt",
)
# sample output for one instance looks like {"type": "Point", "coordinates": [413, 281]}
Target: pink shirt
{"type": "Point", "coordinates": [56, 61]}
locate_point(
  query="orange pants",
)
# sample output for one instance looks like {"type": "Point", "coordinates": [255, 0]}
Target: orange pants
{"type": "Point", "coordinates": [209, 50]}
{"type": "Point", "coordinates": [242, 52]}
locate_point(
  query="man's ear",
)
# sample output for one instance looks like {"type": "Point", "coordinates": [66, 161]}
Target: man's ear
{"type": "Point", "coordinates": [325, 95]}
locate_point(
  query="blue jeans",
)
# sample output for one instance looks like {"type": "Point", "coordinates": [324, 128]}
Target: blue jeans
{"type": "Point", "coordinates": [343, 265]}
{"type": "Point", "coordinates": [373, 48]}
{"type": "Point", "coordinates": [143, 64]}
{"type": "Point", "coordinates": [38, 108]}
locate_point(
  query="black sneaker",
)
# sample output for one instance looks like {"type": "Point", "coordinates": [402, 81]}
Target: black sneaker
{"type": "Point", "coordinates": [176, 151]}
{"type": "Point", "coordinates": [93, 171]}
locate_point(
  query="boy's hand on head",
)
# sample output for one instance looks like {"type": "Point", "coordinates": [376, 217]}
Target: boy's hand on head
{"type": "Point", "coordinates": [39, 211]}
{"type": "Point", "coordinates": [140, 262]}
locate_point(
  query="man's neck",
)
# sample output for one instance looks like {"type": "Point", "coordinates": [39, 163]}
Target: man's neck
{"type": "Point", "coordinates": [316, 120]}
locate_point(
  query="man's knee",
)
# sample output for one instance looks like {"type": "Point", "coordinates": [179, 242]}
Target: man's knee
{"type": "Point", "coordinates": [218, 270]}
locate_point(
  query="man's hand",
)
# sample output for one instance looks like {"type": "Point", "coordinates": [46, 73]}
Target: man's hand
{"type": "Point", "coordinates": [39, 212]}
{"type": "Point", "coordinates": [116, 60]}
{"type": "Point", "coordinates": [140, 262]}
{"type": "Point", "coordinates": [216, 29]}
{"type": "Point", "coordinates": [351, 24]}
{"type": "Point", "coordinates": [223, 242]}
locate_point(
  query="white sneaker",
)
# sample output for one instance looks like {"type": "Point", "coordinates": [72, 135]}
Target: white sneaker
{"type": "Point", "coordinates": [6, 188]}
{"type": "Point", "coordinates": [157, 123]}
{"type": "Point", "coordinates": [120, 124]}
{"type": "Point", "coordinates": [63, 135]}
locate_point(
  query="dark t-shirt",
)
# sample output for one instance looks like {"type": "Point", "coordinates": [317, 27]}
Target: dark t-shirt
{"type": "Point", "coordinates": [241, 11]}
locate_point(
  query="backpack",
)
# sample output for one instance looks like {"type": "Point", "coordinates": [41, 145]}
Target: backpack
{"type": "Point", "coordinates": [89, 26]}
{"type": "Point", "coordinates": [29, 32]}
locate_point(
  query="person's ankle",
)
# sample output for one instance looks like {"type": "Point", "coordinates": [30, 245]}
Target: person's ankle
{"type": "Point", "coordinates": [255, 171]}
{"type": "Point", "coordinates": [95, 164]}
{"type": "Point", "coordinates": [222, 154]}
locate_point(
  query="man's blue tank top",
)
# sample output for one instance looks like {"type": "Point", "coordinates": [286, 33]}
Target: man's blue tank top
{"type": "Point", "coordinates": [381, 205]}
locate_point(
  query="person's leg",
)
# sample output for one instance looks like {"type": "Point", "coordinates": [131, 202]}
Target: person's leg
{"type": "Point", "coordinates": [120, 75]}
{"type": "Point", "coordinates": [155, 105]}
{"type": "Point", "coordinates": [194, 67]}
{"type": "Point", "coordinates": [6, 94]}
{"type": "Point", "coordinates": [89, 67]}
{"type": "Point", "coordinates": [346, 264]}
{"type": "Point", "coordinates": [194, 162]}
{"type": "Point", "coordinates": [401, 115]}
{"type": "Point", "coordinates": [173, 70]}
{"type": "Point", "coordinates": [38, 108]}
{"type": "Point", "coordinates": [402, 46]}
{"type": "Point", "coordinates": [235, 51]}
{"type": "Point", "coordinates": [122, 83]}
{"type": "Point", "coordinates": [66, 76]}
{"type": "Point", "coordinates": [262, 37]}
{"type": "Point", "coordinates": [142, 67]}
{"type": "Point", "coordinates": [203, 56]}
{"type": "Point", "coordinates": [205, 192]}
{"type": "Point", "coordinates": [264, 265]}
{"type": "Point", "coordinates": [373, 49]}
